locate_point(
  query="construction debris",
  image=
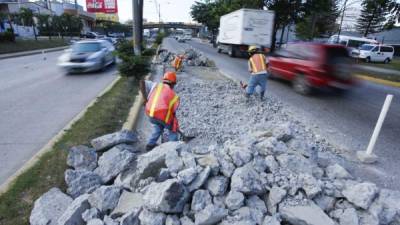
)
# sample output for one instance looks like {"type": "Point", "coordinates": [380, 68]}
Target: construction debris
{"type": "Point", "coordinates": [250, 164]}
{"type": "Point", "coordinates": [191, 57]}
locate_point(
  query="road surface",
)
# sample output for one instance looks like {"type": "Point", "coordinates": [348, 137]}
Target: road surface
{"type": "Point", "coordinates": [346, 121]}
{"type": "Point", "coordinates": [36, 101]}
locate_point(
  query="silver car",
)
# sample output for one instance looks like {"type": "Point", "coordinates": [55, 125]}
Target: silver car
{"type": "Point", "coordinates": [86, 56]}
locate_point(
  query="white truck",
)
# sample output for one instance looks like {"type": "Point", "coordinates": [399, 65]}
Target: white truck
{"type": "Point", "coordinates": [244, 27]}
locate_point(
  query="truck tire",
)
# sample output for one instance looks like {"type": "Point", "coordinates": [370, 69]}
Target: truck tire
{"type": "Point", "coordinates": [387, 60]}
{"type": "Point", "coordinates": [301, 85]}
{"type": "Point", "coordinates": [219, 50]}
{"type": "Point", "coordinates": [232, 52]}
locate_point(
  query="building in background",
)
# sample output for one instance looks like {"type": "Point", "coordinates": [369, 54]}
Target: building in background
{"type": "Point", "coordinates": [104, 9]}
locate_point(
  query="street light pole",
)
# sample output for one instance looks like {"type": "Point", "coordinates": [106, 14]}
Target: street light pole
{"type": "Point", "coordinates": [136, 28]}
{"type": "Point", "coordinates": [341, 21]}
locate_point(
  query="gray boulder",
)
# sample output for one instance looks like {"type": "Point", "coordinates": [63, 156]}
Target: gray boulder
{"type": "Point", "coordinates": [130, 218]}
{"type": "Point", "coordinates": [173, 162]}
{"type": "Point", "coordinates": [147, 217]}
{"type": "Point", "coordinates": [346, 216]}
{"type": "Point", "coordinates": [308, 214]}
{"type": "Point", "coordinates": [90, 214]}
{"type": "Point", "coordinates": [234, 200]}
{"type": "Point", "coordinates": [49, 207]}
{"type": "Point", "coordinates": [276, 194]}
{"type": "Point", "coordinates": [95, 222]}
{"type": "Point", "coordinates": [187, 175]}
{"type": "Point", "coordinates": [186, 221]}
{"type": "Point", "coordinates": [326, 203]}
{"type": "Point", "coordinates": [109, 221]}
{"type": "Point", "coordinates": [240, 155]}
{"type": "Point", "coordinates": [226, 167]}
{"type": "Point", "coordinates": [128, 147]}
{"type": "Point", "coordinates": [271, 220]}
{"type": "Point", "coordinates": [209, 161]}
{"type": "Point", "coordinates": [172, 220]}
{"type": "Point", "coordinates": [82, 158]}
{"type": "Point", "coordinates": [272, 165]}
{"type": "Point", "coordinates": [105, 198]}
{"type": "Point", "coordinates": [80, 182]}
{"type": "Point", "coordinates": [387, 207]}
{"type": "Point", "coordinates": [73, 214]}
{"type": "Point", "coordinates": [188, 159]}
{"type": "Point", "coordinates": [113, 162]}
{"type": "Point", "coordinates": [309, 184]}
{"type": "Point", "coordinates": [110, 140]}
{"type": "Point", "coordinates": [164, 175]}
{"type": "Point", "coordinates": [247, 215]}
{"type": "Point", "coordinates": [361, 194]}
{"type": "Point", "coordinates": [169, 196]}
{"type": "Point", "coordinates": [217, 185]}
{"type": "Point", "coordinates": [254, 202]}
{"type": "Point", "coordinates": [199, 180]}
{"type": "Point", "coordinates": [260, 164]}
{"type": "Point", "coordinates": [271, 146]}
{"type": "Point", "coordinates": [200, 199]}
{"type": "Point", "coordinates": [248, 181]}
{"type": "Point", "coordinates": [337, 172]}
{"type": "Point", "coordinates": [299, 164]}
{"type": "Point", "coordinates": [127, 202]}
{"type": "Point", "coordinates": [284, 132]}
{"type": "Point", "coordinates": [210, 215]}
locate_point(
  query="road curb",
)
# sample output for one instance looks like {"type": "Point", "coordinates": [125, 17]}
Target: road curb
{"type": "Point", "coordinates": [34, 52]}
{"type": "Point", "coordinates": [379, 81]}
{"type": "Point", "coordinates": [46, 148]}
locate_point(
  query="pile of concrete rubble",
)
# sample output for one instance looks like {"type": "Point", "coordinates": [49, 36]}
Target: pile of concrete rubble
{"type": "Point", "coordinates": [249, 165]}
{"type": "Point", "coordinates": [192, 57]}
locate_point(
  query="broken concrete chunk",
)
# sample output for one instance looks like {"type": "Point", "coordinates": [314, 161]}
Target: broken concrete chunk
{"type": "Point", "coordinates": [82, 158]}
{"type": "Point", "coordinates": [128, 147]}
{"type": "Point", "coordinates": [271, 220]}
{"type": "Point", "coordinates": [147, 217]}
{"type": "Point", "coordinates": [130, 218]}
{"type": "Point", "coordinates": [80, 182]}
{"type": "Point", "coordinates": [234, 200]}
{"type": "Point", "coordinates": [259, 163]}
{"type": "Point", "coordinates": [275, 196]}
{"type": "Point", "coordinates": [105, 198]}
{"type": "Point", "coordinates": [284, 132]}
{"type": "Point", "coordinates": [227, 167]}
{"type": "Point", "coordinates": [337, 172]}
{"type": "Point", "coordinates": [346, 216]}
{"type": "Point", "coordinates": [272, 165]}
{"type": "Point", "coordinates": [109, 221]}
{"type": "Point", "coordinates": [246, 180]}
{"type": "Point", "coordinates": [200, 199]}
{"type": "Point", "coordinates": [298, 164]}
{"type": "Point", "coordinates": [169, 196]}
{"type": "Point", "coordinates": [113, 162]}
{"type": "Point", "coordinates": [217, 185]}
{"type": "Point", "coordinates": [188, 159]}
{"type": "Point", "coordinates": [361, 194]}
{"type": "Point", "coordinates": [172, 220]}
{"type": "Point", "coordinates": [110, 140]}
{"type": "Point", "coordinates": [187, 175]}
{"type": "Point", "coordinates": [247, 214]}
{"type": "Point", "coordinates": [309, 184]}
{"type": "Point", "coordinates": [127, 202]}
{"type": "Point", "coordinates": [309, 214]}
{"type": "Point", "coordinates": [240, 155]}
{"type": "Point", "coordinates": [199, 180]}
{"type": "Point", "coordinates": [73, 214]}
{"type": "Point", "coordinates": [326, 203]}
{"type": "Point", "coordinates": [211, 161]}
{"type": "Point", "coordinates": [173, 162]}
{"type": "Point", "coordinates": [210, 215]}
{"type": "Point", "coordinates": [186, 221]}
{"type": "Point", "coordinates": [254, 202]}
{"type": "Point", "coordinates": [49, 207]}
{"type": "Point", "coordinates": [90, 214]}
{"type": "Point", "coordinates": [95, 222]}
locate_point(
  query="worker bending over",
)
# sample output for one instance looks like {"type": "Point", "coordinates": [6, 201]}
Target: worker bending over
{"type": "Point", "coordinates": [177, 62]}
{"type": "Point", "coordinates": [258, 68]}
{"type": "Point", "coordinates": [161, 103]}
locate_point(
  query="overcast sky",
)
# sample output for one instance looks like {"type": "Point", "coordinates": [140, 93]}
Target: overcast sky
{"type": "Point", "coordinates": [171, 10]}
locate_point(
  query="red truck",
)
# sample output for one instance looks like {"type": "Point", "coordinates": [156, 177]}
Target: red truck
{"type": "Point", "coordinates": [309, 66]}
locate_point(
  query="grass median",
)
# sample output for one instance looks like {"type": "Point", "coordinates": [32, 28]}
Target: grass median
{"type": "Point", "coordinates": [28, 45]}
{"type": "Point", "coordinates": [105, 116]}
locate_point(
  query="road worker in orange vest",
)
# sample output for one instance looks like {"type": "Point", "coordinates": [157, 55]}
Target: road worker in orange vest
{"type": "Point", "coordinates": [161, 103]}
{"type": "Point", "coordinates": [177, 62]}
{"type": "Point", "coordinates": [258, 68]}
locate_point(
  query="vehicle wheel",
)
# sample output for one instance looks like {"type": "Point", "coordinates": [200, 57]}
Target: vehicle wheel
{"type": "Point", "coordinates": [301, 85]}
{"type": "Point", "coordinates": [103, 65]}
{"type": "Point", "coordinates": [387, 60]}
{"type": "Point", "coordinates": [368, 59]}
{"type": "Point", "coordinates": [219, 50]}
{"type": "Point", "coordinates": [231, 52]}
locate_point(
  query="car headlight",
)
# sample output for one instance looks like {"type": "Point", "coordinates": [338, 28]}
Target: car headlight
{"type": "Point", "coordinates": [64, 58]}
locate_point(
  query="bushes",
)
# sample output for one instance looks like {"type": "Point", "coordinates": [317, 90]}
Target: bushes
{"type": "Point", "coordinates": [7, 36]}
{"type": "Point", "coordinates": [131, 65]}
{"type": "Point", "coordinates": [160, 37]}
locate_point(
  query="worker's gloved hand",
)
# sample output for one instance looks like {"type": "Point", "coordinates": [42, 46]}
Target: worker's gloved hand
{"type": "Point", "coordinates": [175, 125]}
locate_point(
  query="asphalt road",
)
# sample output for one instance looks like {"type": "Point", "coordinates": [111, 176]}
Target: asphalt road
{"type": "Point", "coordinates": [36, 101]}
{"type": "Point", "coordinates": [346, 121]}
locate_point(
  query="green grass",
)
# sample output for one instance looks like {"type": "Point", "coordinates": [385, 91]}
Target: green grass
{"type": "Point", "coordinates": [28, 45]}
{"type": "Point", "coordinates": [105, 116]}
{"type": "Point", "coordinates": [393, 65]}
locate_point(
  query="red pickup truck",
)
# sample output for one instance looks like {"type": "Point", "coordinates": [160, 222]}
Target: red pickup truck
{"type": "Point", "coordinates": [310, 65]}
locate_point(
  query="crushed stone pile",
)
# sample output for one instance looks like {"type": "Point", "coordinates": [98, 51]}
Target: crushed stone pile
{"type": "Point", "coordinates": [192, 57]}
{"type": "Point", "coordinates": [249, 165]}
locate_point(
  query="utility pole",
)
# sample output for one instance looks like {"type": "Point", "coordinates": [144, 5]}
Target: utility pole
{"type": "Point", "coordinates": [141, 22]}
{"type": "Point", "coordinates": [136, 28]}
{"type": "Point", "coordinates": [341, 21]}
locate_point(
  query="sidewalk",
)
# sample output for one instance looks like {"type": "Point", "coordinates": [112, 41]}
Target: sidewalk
{"type": "Point", "coordinates": [33, 52]}
{"type": "Point", "coordinates": [379, 70]}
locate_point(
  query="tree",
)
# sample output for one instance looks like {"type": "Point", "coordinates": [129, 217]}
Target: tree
{"type": "Point", "coordinates": [44, 24]}
{"type": "Point", "coordinates": [318, 19]}
{"type": "Point", "coordinates": [26, 16]}
{"type": "Point", "coordinates": [374, 14]}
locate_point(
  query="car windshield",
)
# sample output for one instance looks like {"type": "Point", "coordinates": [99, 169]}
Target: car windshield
{"type": "Point", "coordinates": [367, 47]}
{"type": "Point", "coordinates": [86, 47]}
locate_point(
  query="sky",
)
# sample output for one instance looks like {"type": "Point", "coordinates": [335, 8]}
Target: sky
{"type": "Point", "coordinates": [171, 10]}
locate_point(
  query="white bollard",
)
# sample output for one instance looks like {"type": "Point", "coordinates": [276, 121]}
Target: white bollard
{"type": "Point", "coordinates": [368, 156]}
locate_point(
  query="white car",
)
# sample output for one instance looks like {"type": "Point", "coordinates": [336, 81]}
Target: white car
{"type": "Point", "coordinates": [86, 56]}
{"type": "Point", "coordinates": [375, 53]}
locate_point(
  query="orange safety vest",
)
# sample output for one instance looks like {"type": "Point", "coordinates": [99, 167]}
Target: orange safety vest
{"type": "Point", "coordinates": [257, 63]}
{"type": "Point", "coordinates": [177, 62]}
{"type": "Point", "coordinates": [162, 103]}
